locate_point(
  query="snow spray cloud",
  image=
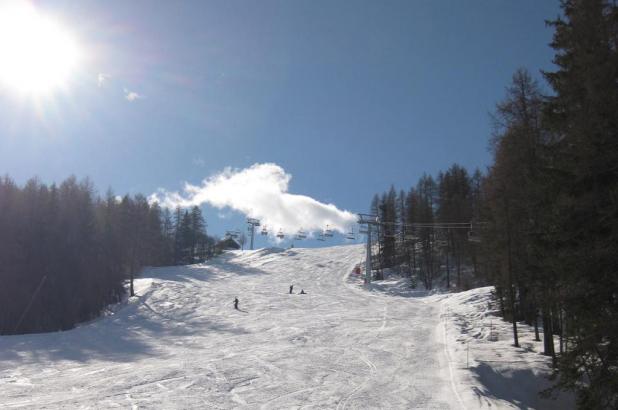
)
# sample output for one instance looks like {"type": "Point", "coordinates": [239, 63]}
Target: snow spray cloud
{"type": "Point", "coordinates": [261, 192]}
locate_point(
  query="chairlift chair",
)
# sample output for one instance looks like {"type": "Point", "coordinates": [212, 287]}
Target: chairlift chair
{"type": "Point", "coordinates": [350, 235]}
{"type": "Point", "coordinates": [321, 237]}
{"type": "Point", "coordinates": [280, 234]}
{"type": "Point", "coordinates": [473, 237]}
{"type": "Point", "coordinates": [253, 221]}
{"type": "Point", "coordinates": [264, 231]}
{"type": "Point", "coordinates": [328, 232]}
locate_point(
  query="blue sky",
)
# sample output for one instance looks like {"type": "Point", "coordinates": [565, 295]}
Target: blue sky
{"type": "Point", "coordinates": [346, 96]}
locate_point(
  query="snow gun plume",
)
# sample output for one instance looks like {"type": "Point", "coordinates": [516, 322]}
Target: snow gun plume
{"type": "Point", "coordinates": [261, 192]}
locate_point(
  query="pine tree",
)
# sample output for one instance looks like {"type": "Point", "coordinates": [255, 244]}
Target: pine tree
{"type": "Point", "coordinates": [412, 205]}
{"type": "Point", "coordinates": [185, 234]}
{"type": "Point", "coordinates": [388, 219]}
{"type": "Point", "coordinates": [513, 197]}
{"type": "Point", "coordinates": [425, 213]}
{"type": "Point", "coordinates": [177, 235]}
{"type": "Point", "coordinates": [198, 234]}
{"type": "Point", "coordinates": [582, 116]}
{"type": "Point", "coordinates": [455, 205]}
{"type": "Point", "coordinates": [168, 234]}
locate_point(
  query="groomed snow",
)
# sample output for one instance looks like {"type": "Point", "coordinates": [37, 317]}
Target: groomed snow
{"type": "Point", "coordinates": [180, 344]}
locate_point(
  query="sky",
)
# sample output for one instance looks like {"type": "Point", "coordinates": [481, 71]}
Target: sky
{"type": "Point", "coordinates": [338, 99]}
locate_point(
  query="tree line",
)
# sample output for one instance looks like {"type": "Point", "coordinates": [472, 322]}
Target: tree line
{"type": "Point", "coordinates": [66, 253]}
{"type": "Point", "coordinates": [415, 234]}
{"type": "Point", "coordinates": [544, 214]}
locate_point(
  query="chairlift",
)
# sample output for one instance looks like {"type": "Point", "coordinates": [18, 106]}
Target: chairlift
{"type": "Point", "coordinates": [264, 231]}
{"type": "Point", "coordinates": [232, 234]}
{"type": "Point", "coordinates": [351, 235]}
{"type": "Point", "coordinates": [301, 234]}
{"type": "Point", "coordinates": [473, 237]}
{"type": "Point", "coordinates": [321, 237]}
{"type": "Point", "coordinates": [253, 221]}
{"type": "Point", "coordinates": [328, 232]}
{"type": "Point", "coordinates": [280, 234]}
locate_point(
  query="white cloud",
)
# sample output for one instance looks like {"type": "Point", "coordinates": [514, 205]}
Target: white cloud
{"type": "Point", "coordinates": [102, 79]}
{"type": "Point", "coordinates": [260, 191]}
{"type": "Point", "coordinates": [132, 95]}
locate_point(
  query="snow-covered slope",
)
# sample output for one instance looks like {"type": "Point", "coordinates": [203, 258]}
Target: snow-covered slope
{"type": "Point", "coordinates": [180, 343]}
{"type": "Point", "coordinates": [480, 347]}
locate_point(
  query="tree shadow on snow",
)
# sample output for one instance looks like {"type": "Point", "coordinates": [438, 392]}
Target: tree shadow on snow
{"type": "Point", "coordinates": [400, 287]}
{"type": "Point", "coordinates": [135, 331]}
{"type": "Point", "coordinates": [203, 272]}
{"type": "Point", "coordinates": [91, 342]}
{"type": "Point", "coordinates": [520, 387]}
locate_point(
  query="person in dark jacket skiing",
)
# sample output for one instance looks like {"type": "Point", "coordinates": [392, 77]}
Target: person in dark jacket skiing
{"type": "Point", "coordinates": [236, 303]}
{"type": "Point", "coordinates": [291, 288]}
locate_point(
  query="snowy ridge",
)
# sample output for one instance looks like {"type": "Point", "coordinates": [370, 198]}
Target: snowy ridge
{"type": "Point", "coordinates": [180, 344]}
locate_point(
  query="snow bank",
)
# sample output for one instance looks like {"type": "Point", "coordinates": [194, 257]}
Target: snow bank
{"type": "Point", "coordinates": [488, 367]}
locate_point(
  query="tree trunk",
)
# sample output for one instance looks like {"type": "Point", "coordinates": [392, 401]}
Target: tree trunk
{"type": "Point", "coordinates": [513, 316]}
{"type": "Point", "coordinates": [548, 335]}
{"type": "Point", "coordinates": [561, 334]}
{"type": "Point", "coordinates": [510, 278]}
{"type": "Point", "coordinates": [536, 326]}
{"type": "Point", "coordinates": [448, 269]}
{"type": "Point", "coordinates": [474, 262]}
{"type": "Point", "coordinates": [131, 285]}
{"type": "Point", "coordinates": [501, 302]}
{"type": "Point", "coordinates": [458, 270]}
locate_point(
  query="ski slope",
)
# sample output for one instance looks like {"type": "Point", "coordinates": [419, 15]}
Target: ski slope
{"type": "Point", "coordinates": [180, 344]}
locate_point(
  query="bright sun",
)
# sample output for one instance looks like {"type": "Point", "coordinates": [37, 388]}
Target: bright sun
{"type": "Point", "coordinates": [37, 55]}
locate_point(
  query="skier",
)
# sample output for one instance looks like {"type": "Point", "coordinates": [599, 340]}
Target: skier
{"type": "Point", "coordinates": [291, 288]}
{"type": "Point", "coordinates": [236, 303]}
{"type": "Point", "coordinates": [302, 292]}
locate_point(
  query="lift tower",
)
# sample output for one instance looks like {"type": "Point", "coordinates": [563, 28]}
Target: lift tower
{"type": "Point", "coordinates": [252, 222]}
{"type": "Point", "coordinates": [369, 220]}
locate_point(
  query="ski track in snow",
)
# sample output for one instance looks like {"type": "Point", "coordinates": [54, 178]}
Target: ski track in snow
{"type": "Point", "coordinates": [180, 344]}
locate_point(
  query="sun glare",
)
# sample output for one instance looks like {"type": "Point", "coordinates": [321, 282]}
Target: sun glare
{"type": "Point", "coordinates": [37, 55]}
